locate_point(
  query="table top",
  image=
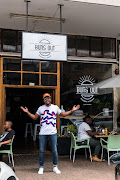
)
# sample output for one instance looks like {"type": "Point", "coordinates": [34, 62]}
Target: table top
{"type": "Point", "coordinates": [101, 136]}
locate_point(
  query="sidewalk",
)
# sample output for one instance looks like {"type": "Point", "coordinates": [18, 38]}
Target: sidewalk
{"type": "Point", "coordinates": [26, 168]}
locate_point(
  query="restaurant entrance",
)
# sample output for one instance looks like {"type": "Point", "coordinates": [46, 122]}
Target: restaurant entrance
{"type": "Point", "coordinates": [21, 81]}
{"type": "Point", "coordinates": [32, 99]}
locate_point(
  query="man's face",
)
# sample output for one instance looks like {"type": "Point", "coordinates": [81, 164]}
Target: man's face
{"type": "Point", "coordinates": [47, 100]}
{"type": "Point", "coordinates": [89, 121]}
{"type": "Point", "coordinates": [6, 125]}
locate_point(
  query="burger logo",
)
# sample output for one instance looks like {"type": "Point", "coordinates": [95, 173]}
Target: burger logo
{"type": "Point", "coordinates": [85, 88]}
{"type": "Point", "coordinates": [45, 47]}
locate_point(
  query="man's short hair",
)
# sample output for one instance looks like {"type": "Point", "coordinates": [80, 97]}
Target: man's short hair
{"type": "Point", "coordinates": [87, 117]}
{"type": "Point", "coordinates": [11, 124]}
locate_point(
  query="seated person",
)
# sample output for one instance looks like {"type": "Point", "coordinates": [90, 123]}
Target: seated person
{"type": "Point", "coordinates": [6, 136]}
{"type": "Point", "coordinates": [85, 132]}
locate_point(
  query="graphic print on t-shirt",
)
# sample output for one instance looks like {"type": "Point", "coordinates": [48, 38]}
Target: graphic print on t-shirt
{"type": "Point", "coordinates": [3, 136]}
{"type": "Point", "coordinates": [47, 116]}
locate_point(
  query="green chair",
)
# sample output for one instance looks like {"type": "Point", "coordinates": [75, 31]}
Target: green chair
{"type": "Point", "coordinates": [79, 144]}
{"type": "Point", "coordinates": [112, 144]}
{"type": "Point", "coordinates": [9, 152]}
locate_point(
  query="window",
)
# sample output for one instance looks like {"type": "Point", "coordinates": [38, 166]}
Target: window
{"type": "Point", "coordinates": [12, 64]}
{"type": "Point", "coordinates": [9, 40]}
{"type": "Point", "coordinates": [108, 48]}
{"type": "Point", "coordinates": [48, 66]}
{"type": "Point", "coordinates": [48, 80]}
{"type": "Point", "coordinates": [82, 46]}
{"type": "Point", "coordinates": [71, 45]}
{"type": "Point", "coordinates": [88, 74]}
{"type": "Point", "coordinates": [22, 72]}
{"type": "Point", "coordinates": [96, 48]}
{"type": "Point", "coordinates": [30, 78]}
{"type": "Point", "coordinates": [30, 66]}
{"type": "Point", "coordinates": [19, 41]}
{"type": "Point", "coordinates": [12, 78]}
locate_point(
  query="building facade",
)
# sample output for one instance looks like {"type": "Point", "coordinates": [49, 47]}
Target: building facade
{"type": "Point", "coordinates": [93, 50]}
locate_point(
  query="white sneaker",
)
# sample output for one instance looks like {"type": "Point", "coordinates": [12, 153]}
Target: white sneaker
{"type": "Point", "coordinates": [56, 170]}
{"type": "Point", "coordinates": [40, 171]}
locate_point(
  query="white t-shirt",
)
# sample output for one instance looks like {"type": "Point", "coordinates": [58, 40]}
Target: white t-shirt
{"type": "Point", "coordinates": [48, 119]}
{"type": "Point", "coordinates": [82, 134]}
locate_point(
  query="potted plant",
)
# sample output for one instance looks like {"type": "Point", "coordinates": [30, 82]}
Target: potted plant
{"type": "Point", "coordinates": [64, 144]}
{"type": "Point", "coordinates": [64, 141]}
{"type": "Point", "coordinates": [103, 105]}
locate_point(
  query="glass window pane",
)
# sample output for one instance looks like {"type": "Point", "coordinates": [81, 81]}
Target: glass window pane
{"type": "Point", "coordinates": [30, 78]}
{"type": "Point", "coordinates": [30, 66]}
{"type": "Point", "coordinates": [96, 47]}
{"type": "Point", "coordinates": [71, 45]}
{"type": "Point", "coordinates": [11, 64]}
{"type": "Point", "coordinates": [9, 40]}
{"type": "Point", "coordinates": [19, 41]}
{"type": "Point", "coordinates": [82, 74]}
{"type": "Point", "coordinates": [109, 48]}
{"type": "Point", "coordinates": [48, 80]}
{"type": "Point", "coordinates": [82, 46]}
{"type": "Point", "coordinates": [12, 78]}
{"type": "Point", "coordinates": [48, 66]}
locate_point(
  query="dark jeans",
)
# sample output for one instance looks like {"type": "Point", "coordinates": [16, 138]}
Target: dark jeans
{"type": "Point", "coordinates": [42, 143]}
{"type": "Point", "coordinates": [96, 144]}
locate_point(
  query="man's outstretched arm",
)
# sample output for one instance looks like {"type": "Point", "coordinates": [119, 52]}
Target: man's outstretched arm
{"type": "Point", "coordinates": [33, 116]}
{"type": "Point", "coordinates": [69, 112]}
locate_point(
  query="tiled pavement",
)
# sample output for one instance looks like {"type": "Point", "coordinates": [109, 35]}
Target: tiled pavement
{"type": "Point", "coordinates": [26, 166]}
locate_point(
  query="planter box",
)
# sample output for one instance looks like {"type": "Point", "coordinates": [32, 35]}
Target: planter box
{"type": "Point", "coordinates": [64, 145]}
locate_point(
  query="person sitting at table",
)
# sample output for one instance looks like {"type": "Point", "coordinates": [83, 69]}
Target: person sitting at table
{"type": "Point", "coordinates": [6, 136]}
{"type": "Point", "coordinates": [85, 132]}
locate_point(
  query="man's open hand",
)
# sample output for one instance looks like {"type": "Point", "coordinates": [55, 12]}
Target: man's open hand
{"type": "Point", "coordinates": [25, 109]}
{"type": "Point", "coordinates": [75, 107]}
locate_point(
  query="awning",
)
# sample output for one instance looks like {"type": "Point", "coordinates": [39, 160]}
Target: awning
{"type": "Point", "coordinates": [113, 82]}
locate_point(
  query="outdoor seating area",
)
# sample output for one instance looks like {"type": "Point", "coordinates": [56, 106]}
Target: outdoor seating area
{"type": "Point", "coordinates": [26, 167]}
{"type": "Point", "coordinates": [27, 162]}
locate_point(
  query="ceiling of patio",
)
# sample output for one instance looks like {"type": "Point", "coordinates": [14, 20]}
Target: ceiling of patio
{"type": "Point", "coordinates": [80, 18]}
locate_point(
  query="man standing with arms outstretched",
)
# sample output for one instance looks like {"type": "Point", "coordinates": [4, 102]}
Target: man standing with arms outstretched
{"type": "Point", "coordinates": [47, 114]}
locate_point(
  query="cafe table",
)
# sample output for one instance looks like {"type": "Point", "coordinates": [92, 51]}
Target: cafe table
{"type": "Point", "coordinates": [101, 136]}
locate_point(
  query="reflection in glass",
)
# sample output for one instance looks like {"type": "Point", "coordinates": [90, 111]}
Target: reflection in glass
{"type": "Point", "coordinates": [30, 66]}
{"type": "Point", "coordinates": [11, 64]}
{"type": "Point", "coordinates": [12, 78]}
{"type": "Point", "coordinates": [71, 45]}
{"type": "Point", "coordinates": [9, 40]}
{"type": "Point", "coordinates": [96, 47]}
{"type": "Point", "coordinates": [29, 78]}
{"type": "Point", "coordinates": [48, 80]}
{"type": "Point", "coordinates": [48, 66]}
{"type": "Point", "coordinates": [82, 46]}
{"type": "Point", "coordinates": [19, 41]}
{"type": "Point", "coordinates": [109, 48]}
